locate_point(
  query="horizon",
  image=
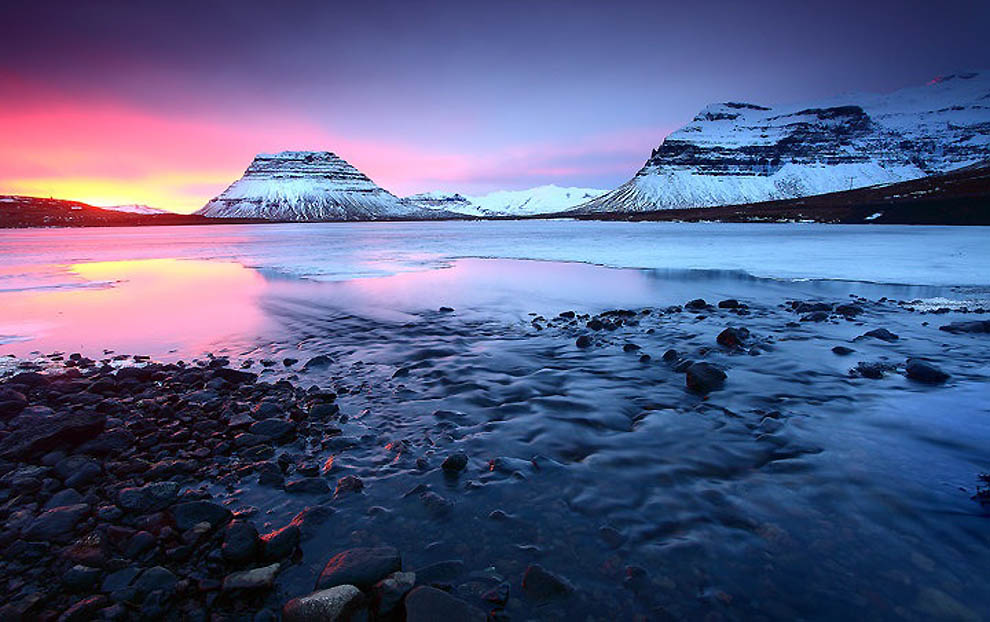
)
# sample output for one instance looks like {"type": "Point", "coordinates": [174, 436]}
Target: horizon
{"type": "Point", "coordinates": [433, 98]}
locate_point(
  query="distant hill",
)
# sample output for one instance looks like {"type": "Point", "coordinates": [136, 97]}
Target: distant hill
{"type": "Point", "coordinates": [20, 211]}
{"type": "Point", "coordinates": [135, 209]}
{"type": "Point", "coordinates": [546, 199]}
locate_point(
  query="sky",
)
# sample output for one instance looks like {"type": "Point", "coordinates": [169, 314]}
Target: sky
{"type": "Point", "coordinates": [166, 103]}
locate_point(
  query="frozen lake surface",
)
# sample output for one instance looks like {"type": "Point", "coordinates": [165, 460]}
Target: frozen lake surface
{"type": "Point", "coordinates": [798, 491]}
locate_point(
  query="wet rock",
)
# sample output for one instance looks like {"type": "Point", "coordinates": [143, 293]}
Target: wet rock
{"type": "Point", "coordinates": [69, 496]}
{"type": "Point", "coordinates": [273, 429]}
{"type": "Point", "coordinates": [309, 520]}
{"type": "Point", "coordinates": [973, 327]}
{"type": "Point", "coordinates": [704, 377]}
{"type": "Point", "coordinates": [387, 594]}
{"type": "Point", "coordinates": [455, 463]}
{"type": "Point", "coordinates": [630, 347]}
{"type": "Point", "coordinates": [595, 324]}
{"type": "Point", "coordinates": [435, 504]}
{"type": "Point", "coordinates": [347, 484]}
{"type": "Point", "coordinates": [880, 333]}
{"type": "Point", "coordinates": [281, 543]}
{"type": "Point", "coordinates": [816, 316]}
{"type": "Point", "coordinates": [842, 350]}
{"type": "Point", "coordinates": [140, 543]}
{"type": "Point", "coordinates": [427, 604]}
{"type": "Point", "coordinates": [584, 341]}
{"type": "Point", "coordinates": [188, 515]}
{"type": "Point", "coordinates": [308, 485]}
{"type": "Point", "coordinates": [442, 572]}
{"type": "Point", "coordinates": [849, 310]}
{"type": "Point", "coordinates": [255, 579]}
{"type": "Point", "coordinates": [611, 536]}
{"type": "Point", "coordinates": [155, 579]}
{"type": "Point", "coordinates": [240, 542]}
{"type": "Point", "coordinates": [873, 371]}
{"type": "Point", "coordinates": [320, 361]}
{"type": "Point", "coordinates": [323, 411]}
{"type": "Point", "coordinates": [40, 433]}
{"type": "Point", "coordinates": [148, 498]}
{"type": "Point", "coordinates": [235, 376]}
{"type": "Point", "coordinates": [670, 356]}
{"type": "Point", "coordinates": [540, 584]}
{"type": "Point", "coordinates": [119, 580]}
{"type": "Point", "coordinates": [343, 603]}
{"type": "Point", "coordinates": [733, 337]}
{"type": "Point", "coordinates": [362, 567]}
{"type": "Point", "coordinates": [498, 595]}
{"type": "Point", "coordinates": [730, 303]}
{"type": "Point", "coordinates": [921, 371]}
{"type": "Point", "coordinates": [57, 524]}
{"type": "Point", "coordinates": [81, 578]}
{"type": "Point", "coordinates": [698, 304]}
{"type": "Point", "coordinates": [289, 361]}
{"type": "Point", "coordinates": [84, 610]}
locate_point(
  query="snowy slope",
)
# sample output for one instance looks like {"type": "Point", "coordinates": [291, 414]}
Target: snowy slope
{"type": "Point", "coordinates": [135, 209]}
{"type": "Point", "coordinates": [307, 185]}
{"type": "Point", "coordinates": [540, 200]}
{"type": "Point", "coordinates": [734, 153]}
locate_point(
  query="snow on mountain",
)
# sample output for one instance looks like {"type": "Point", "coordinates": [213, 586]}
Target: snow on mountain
{"type": "Point", "coordinates": [307, 185]}
{"type": "Point", "coordinates": [736, 153]}
{"type": "Point", "coordinates": [135, 209]}
{"type": "Point", "coordinates": [540, 200]}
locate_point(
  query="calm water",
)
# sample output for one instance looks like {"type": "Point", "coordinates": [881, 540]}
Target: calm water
{"type": "Point", "coordinates": [796, 492]}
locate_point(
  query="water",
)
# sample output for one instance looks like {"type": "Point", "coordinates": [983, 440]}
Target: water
{"type": "Point", "coordinates": [797, 492]}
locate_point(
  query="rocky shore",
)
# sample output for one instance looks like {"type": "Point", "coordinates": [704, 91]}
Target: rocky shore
{"type": "Point", "coordinates": [114, 474]}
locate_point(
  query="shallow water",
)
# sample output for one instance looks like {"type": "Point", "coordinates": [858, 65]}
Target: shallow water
{"type": "Point", "coordinates": [796, 492]}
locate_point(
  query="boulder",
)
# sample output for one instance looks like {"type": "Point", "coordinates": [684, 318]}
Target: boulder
{"type": "Point", "coordinates": [921, 371]}
{"type": "Point", "coordinates": [41, 433]}
{"type": "Point", "coordinates": [704, 377]}
{"type": "Point", "coordinates": [343, 603]}
{"type": "Point", "coordinates": [57, 524]}
{"type": "Point", "coordinates": [255, 579]}
{"type": "Point", "coordinates": [362, 567]}
{"type": "Point", "coordinates": [428, 604]}
{"type": "Point", "coordinates": [189, 514]}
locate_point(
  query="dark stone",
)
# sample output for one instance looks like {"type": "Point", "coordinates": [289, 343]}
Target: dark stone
{"type": "Point", "coordinates": [849, 310]}
{"type": "Point", "coordinates": [109, 443]}
{"type": "Point", "coordinates": [234, 376]}
{"type": "Point", "coordinates": [308, 485]}
{"type": "Point", "coordinates": [446, 309]}
{"type": "Point", "coordinates": [733, 337]}
{"type": "Point", "coordinates": [148, 498]}
{"type": "Point", "coordinates": [630, 347]}
{"type": "Point", "coordinates": [189, 514]}
{"type": "Point", "coordinates": [670, 356]}
{"type": "Point", "coordinates": [704, 377]}
{"type": "Point", "coordinates": [119, 580]}
{"type": "Point", "coordinates": [37, 434]}
{"type": "Point", "coordinates": [595, 324]}
{"type": "Point", "coordinates": [842, 350]}
{"type": "Point", "coordinates": [427, 604]}
{"type": "Point", "coordinates": [348, 483]}
{"type": "Point", "coordinates": [154, 579]}
{"type": "Point", "coordinates": [874, 371]}
{"type": "Point", "coordinates": [343, 603]}
{"type": "Point", "coordinates": [972, 326]}
{"type": "Point", "coordinates": [69, 496]}
{"type": "Point", "coordinates": [255, 579]}
{"type": "Point", "coordinates": [540, 584]}
{"type": "Point", "coordinates": [455, 463]}
{"type": "Point", "coordinates": [498, 595]}
{"type": "Point", "coordinates": [310, 519]}
{"type": "Point", "coordinates": [442, 572]}
{"type": "Point", "coordinates": [921, 371]}
{"type": "Point", "coordinates": [140, 543]}
{"type": "Point", "coordinates": [280, 544]}
{"type": "Point", "coordinates": [319, 361]}
{"type": "Point", "coordinates": [730, 303]}
{"type": "Point", "coordinates": [273, 429]}
{"type": "Point", "coordinates": [816, 316]}
{"type": "Point", "coordinates": [240, 542]}
{"type": "Point", "coordinates": [880, 333]}
{"type": "Point", "coordinates": [584, 341]}
{"type": "Point", "coordinates": [81, 578]}
{"type": "Point", "coordinates": [84, 610]}
{"type": "Point", "coordinates": [57, 524]}
{"type": "Point", "coordinates": [361, 567]}
{"type": "Point", "coordinates": [697, 304]}
{"type": "Point", "coordinates": [322, 411]}
{"type": "Point", "coordinates": [387, 594]}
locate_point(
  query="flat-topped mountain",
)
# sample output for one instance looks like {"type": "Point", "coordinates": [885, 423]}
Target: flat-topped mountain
{"type": "Point", "coordinates": [307, 185]}
{"type": "Point", "coordinates": [740, 153]}
{"type": "Point", "coordinates": [546, 199]}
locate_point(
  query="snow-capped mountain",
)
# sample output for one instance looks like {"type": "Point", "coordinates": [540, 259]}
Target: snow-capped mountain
{"type": "Point", "coordinates": [135, 209]}
{"type": "Point", "coordinates": [738, 153]}
{"type": "Point", "coordinates": [307, 185]}
{"type": "Point", "coordinates": [540, 200]}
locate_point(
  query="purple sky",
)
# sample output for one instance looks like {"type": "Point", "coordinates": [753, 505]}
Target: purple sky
{"type": "Point", "coordinates": [423, 95]}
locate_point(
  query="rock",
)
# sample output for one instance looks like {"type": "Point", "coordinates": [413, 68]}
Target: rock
{"type": "Point", "coordinates": [57, 524]}
{"type": "Point", "coordinates": [346, 484]}
{"type": "Point", "coordinates": [280, 544]}
{"type": "Point", "coordinates": [343, 603]}
{"type": "Point", "coordinates": [234, 376]}
{"type": "Point", "coordinates": [670, 356]}
{"type": "Point", "coordinates": [849, 310]}
{"type": "Point", "coordinates": [319, 361]}
{"type": "Point", "coordinates": [81, 578]}
{"type": "Point", "coordinates": [40, 433]}
{"type": "Point", "coordinates": [387, 594]}
{"type": "Point", "coordinates": [69, 496]}
{"type": "Point", "coordinates": [255, 579]}
{"type": "Point", "coordinates": [842, 350]}
{"type": "Point", "coordinates": [584, 341]}
{"type": "Point", "coordinates": [498, 595]}
{"type": "Point", "coordinates": [84, 610]}
{"type": "Point", "coordinates": [267, 410]}
{"type": "Point", "coordinates": [322, 411]}
{"type": "Point", "coordinates": [240, 542]}
{"type": "Point", "coordinates": [972, 326]}
{"type": "Point", "coordinates": [698, 304]}
{"type": "Point", "coordinates": [733, 337]}
{"type": "Point", "coordinates": [362, 567]}
{"type": "Point", "coordinates": [273, 429]}
{"type": "Point", "coordinates": [880, 333]}
{"type": "Point", "coordinates": [427, 604]}
{"type": "Point", "coordinates": [816, 316]}
{"type": "Point", "coordinates": [874, 371]}
{"type": "Point", "coordinates": [730, 303]}
{"type": "Point", "coordinates": [188, 515]}
{"type": "Point", "coordinates": [308, 485]}
{"type": "Point", "coordinates": [921, 371]}
{"type": "Point", "coordinates": [445, 571]}
{"type": "Point", "coordinates": [155, 579]}
{"type": "Point", "coordinates": [148, 498]}
{"type": "Point", "coordinates": [704, 377]}
{"type": "Point", "coordinates": [540, 584]}
{"type": "Point", "coordinates": [455, 463]}
{"type": "Point", "coordinates": [630, 347]}
{"type": "Point", "coordinates": [309, 520]}
{"type": "Point", "coordinates": [139, 543]}
{"type": "Point", "coordinates": [119, 580]}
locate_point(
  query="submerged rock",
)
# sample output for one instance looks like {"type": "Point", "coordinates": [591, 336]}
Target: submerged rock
{"type": "Point", "coordinates": [921, 371]}
{"type": "Point", "coordinates": [973, 326]}
{"type": "Point", "coordinates": [428, 604]}
{"type": "Point", "coordinates": [540, 584]}
{"type": "Point", "coordinates": [704, 377]}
